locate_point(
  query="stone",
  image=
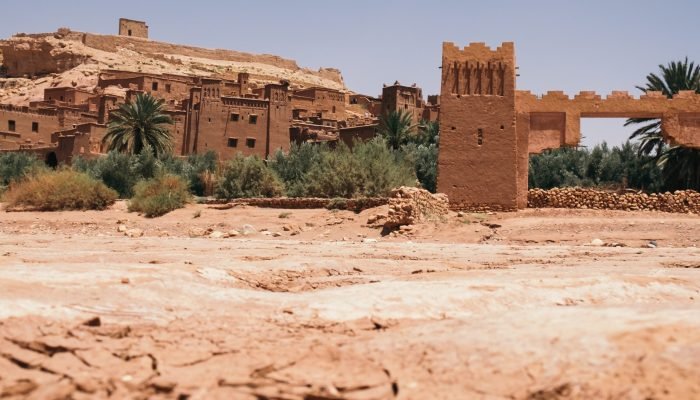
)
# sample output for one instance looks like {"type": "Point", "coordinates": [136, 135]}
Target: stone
{"type": "Point", "coordinates": [367, 240]}
{"type": "Point", "coordinates": [197, 232]}
{"type": "Point", "coordinates": [216, 235]}
{"type": "Point", "coordinates": [597, 242]}
{"type": "Point", "coordinates": [121, 228]}
{"type": "Point", "coordinates": [276, 234]}
{"type": "Point", "coordinates": [233, 233]}
{"type": "Point", "coordinates": [135, 232]}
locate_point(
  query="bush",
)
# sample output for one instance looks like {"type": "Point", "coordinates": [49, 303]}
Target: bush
{"type": "Point", "coordinates": [294, 166]}
{"type": "Point", "coordinates": [247, 177]}
{"type": "Point", "coordinates": [158, 196]}
{"type": "Point", "coordinates": [197, 170]}
{"type": "Point", "coordinates": [424, 159]}
{"type": "Point", "coordinates": [60, 190]}
{"type": "Point", "coordinates": [15, 166]}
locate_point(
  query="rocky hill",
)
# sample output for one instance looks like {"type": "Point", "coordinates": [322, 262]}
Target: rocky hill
{"type": "Point", "coordinates": [32, 62]}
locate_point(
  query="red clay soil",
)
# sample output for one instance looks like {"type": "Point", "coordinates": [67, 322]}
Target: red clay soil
{"type": "Point", "coordinates": [314, 305]}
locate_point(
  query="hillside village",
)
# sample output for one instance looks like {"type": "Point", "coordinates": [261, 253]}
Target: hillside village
{"type": "Point", "coordinates": [57, 91]}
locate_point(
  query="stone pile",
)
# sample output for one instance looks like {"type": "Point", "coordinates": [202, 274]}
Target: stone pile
{"type": "Point", "coordinates": [680, 201]}
{"type": "Point", "coordinates": [408, 206]}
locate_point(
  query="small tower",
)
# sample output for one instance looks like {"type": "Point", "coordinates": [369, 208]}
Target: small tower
{"type": "Point", "coordinates": [477, 163]}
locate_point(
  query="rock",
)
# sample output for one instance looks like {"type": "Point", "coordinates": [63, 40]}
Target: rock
{"type": "Point", "coordinates": [121, 228]}
{"type": "Point", "coordinates": [233, 233]}
{"type": "Point", "coordinates": [135, 232]}
{"type": "Point", "coordinates": [460, 214]}
{"type": "Point", "coordinates": [126, 281]}
{"type": "Point", "coordinates": [94, 321]}
{"type": "Point", "coordinates": [248, 230]}
{"type": "Point", "coordinates": [276, 234]}
{"type": "Point", "coordinates": [216, 235]}
{"type": "Point", "coordinates": [367, 240]}
{"type": "Point", "coordinates": [197, 232]}
{"type": "Point", "coordinates": [597, 242]}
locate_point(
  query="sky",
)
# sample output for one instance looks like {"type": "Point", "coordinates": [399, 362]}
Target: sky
{"type": "Point", "coordinates": [560, 45]}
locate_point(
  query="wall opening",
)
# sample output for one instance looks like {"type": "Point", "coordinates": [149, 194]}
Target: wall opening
{"type": "Point", "coordinates": [253, 119]}
{"type": "Point", "coordinates": [479, 136]}
{"type": "Point", "coordinates": [35, 127]}
{"type": "Point", "coordinates": [612, 131]}
{"type": "Point", "coordinates": [250, 143]}
{"type": "Point", "coordinates": [232, 142]}
{"type": "Point", "coordinates": [11, 125]}
{"type": "Point", "coordinates": [129, 32]}
{"type": "Point", "coordinates": [52, 160]}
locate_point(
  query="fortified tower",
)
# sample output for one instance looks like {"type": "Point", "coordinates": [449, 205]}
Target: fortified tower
{"type": "Point", "coordinates": [477, 162]}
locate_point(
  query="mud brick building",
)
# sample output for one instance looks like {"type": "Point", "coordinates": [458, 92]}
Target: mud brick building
{"type": "Point", "coordinates": [130, 27]}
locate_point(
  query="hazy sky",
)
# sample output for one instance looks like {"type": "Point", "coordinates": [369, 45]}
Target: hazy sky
{"type": "Point", "coordinates": [560, 45]}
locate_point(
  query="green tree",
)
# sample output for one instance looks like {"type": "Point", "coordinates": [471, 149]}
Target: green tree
{"type": "Point", "coordinates": [138, 125]}
{"type": "Point", "coordinates": [397, 128]}
{"type": "Point", "coordinates": [680, 166]}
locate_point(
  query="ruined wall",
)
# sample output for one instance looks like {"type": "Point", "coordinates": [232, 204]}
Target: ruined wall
{"type": "Point", "coordinates": [477, 163]}
{"type": "Point", "coordinates": [130, 27]}
{"type": "Point", "coordinates": [361, 133]}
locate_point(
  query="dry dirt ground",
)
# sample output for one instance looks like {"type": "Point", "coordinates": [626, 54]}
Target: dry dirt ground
{"type": "Point", "coordinates": [483, 306]}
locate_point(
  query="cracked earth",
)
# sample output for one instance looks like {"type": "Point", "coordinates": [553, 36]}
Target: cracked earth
{"type": "Point", "coordinates": [482, 306]}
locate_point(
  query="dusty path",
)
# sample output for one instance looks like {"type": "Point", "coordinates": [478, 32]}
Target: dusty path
{"type": "Point", "coordinates": [502, 306]}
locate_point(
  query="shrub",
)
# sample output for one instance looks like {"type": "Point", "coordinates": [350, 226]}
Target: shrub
{"type": "Point", "coordinates": [294, 166]}
{"type": "Point", "coordinates": [120, 171]}
{"type": "Point", "coordinates": [382, 169]}
{"type": "Point", "coordinates": [424, 159]}
{"type": "Point", "coordinates": [15, 166]}
{"type": "Point", "coordinates": [247, 177]}
{"type": "Point", "coordinates": [158, 196]}
{"type": "Point", "coordinates": [336, 174]}
{"type": "Point", "coordinates": [60, 190]}
{"type": "Point", "coordinates": [197, 170]}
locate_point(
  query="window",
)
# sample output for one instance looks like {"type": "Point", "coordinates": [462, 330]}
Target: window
{"type": "Point", "coordinates": [480, 136]}
{"type": "Point", "coordinates": [232, 142]}
{"type": "Point", "coordinates": [250, 143]}
{"type": "Point", "coordinates": [167, 87]}
{"type": "Point", "coordinates": [234, 116]}
{"type": "Point", "coordinates": [61, 98]}
{"type": "Point", "coordinates": [253, 119]}
{"type": "Point", "coordinates": [11, 125]}
{"type": "Point", "coordinates": [154, 86]}
{"type": "Point", "coordinates": [35, 127]}
{"type": "Point", "coordinates": [129, 32]}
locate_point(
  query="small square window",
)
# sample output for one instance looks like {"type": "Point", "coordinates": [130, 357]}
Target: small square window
{"type": "Point", "coordinates": [154, 86]}
{"type": "Point", "coordinates": [232, 142]}
{"type": "Point", "coordinates": [250, 143]}
{"type": "Point", "coordinates": [35, 127]}
{"type": "Point", "coordinates": [11, 126]}
{"type": "Point", "coordinates": [253, 119]}
{"type": "Point", "coordinates": [235, 116]}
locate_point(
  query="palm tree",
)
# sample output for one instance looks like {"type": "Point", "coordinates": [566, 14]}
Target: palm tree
{"type": "Point", "coordinates": [138, 125]}
{"type": "Point", "coordinates": [680, 166]}
{"type": "Point", "coordinates": [396, 127]}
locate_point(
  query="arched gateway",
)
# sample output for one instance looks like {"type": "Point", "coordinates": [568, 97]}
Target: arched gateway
{"type": "Point", "coordinates": [488, 128]}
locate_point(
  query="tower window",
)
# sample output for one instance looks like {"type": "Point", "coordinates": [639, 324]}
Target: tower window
{"type": "Point", "coordinates": [35, 127]}
{"type": "Point", "coordinates": [480, 136]}
{"type": "Point", "coordinates": [232, 142]}
{"type": "Point", "coordinates": [253, 119]}
{"type": "Point", "coordinates": [154, 86]}
{"type": "Point", "coordinates": [11, 126]}
{"type": "Point", "coordinates": [235, 117]}
{"type": "Point", "coordinates": [250, 143]}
